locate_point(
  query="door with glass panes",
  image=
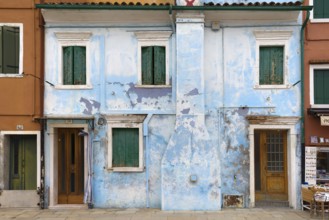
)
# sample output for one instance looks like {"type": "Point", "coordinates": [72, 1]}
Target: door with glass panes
{"type": "Point", "coordinates": [70, 166]}
{"type": "Point", "coordinates": [271, 165]}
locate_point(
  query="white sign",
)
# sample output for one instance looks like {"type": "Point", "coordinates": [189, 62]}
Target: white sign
{"type": "Point", "coordinates": [325, 120]}
{"type": "Point", "coordinates": [310, 165]}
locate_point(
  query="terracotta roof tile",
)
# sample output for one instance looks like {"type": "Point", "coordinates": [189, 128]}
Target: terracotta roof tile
{"type": "Point", "coordinates": [117, 2]}
{"type": "Point", "coordinates": [173, 2]}
{"type": "Point", "coordinates": [264, 3]}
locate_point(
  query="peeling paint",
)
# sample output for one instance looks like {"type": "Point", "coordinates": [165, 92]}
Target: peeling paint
{"type": "Point", "coordinates": [212, 94]}
{"type": "Point", "coordinates": [90, 106]}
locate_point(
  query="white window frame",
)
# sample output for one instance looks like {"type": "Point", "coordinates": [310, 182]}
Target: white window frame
{"type": "Point", "coordinates": [272, 38]}
{"type": "Point", "coordinates": [316, 20]}
{"type": "Point", "coordinates": [125, 121]}
{"type": "Point", "coordinates": [20, 62]}
{"type": "Point", "coordinates": [66, 39]}
{"type": "Point", "coordinates": [312, 68]}
{"type": "Point", "coordinates": [152, 38]}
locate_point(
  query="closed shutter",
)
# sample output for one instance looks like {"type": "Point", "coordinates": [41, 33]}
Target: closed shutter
{"type": "Point", "coordinates": [125, 147]}
{"type": "Point", "coordinates": [147, 65]}
{"type": "Point", "coordinates": [1, 52]}
{"type": "Point", "coordinates": [79, 63]}
{"type": "Point", "coordinates": [319, 8]}
{"type": "Point", "coordinates": [326, 9]}
{"type": "Point", "coordinates": [271, 66]}
{"type": "Point", "coordinates": [68, 65]}
{"type": "Point", "coordinates": [74, 65]}
{"type": "Point", "coordinates": [321, 89]}
{"type": "Point", "coordinates": [10, 47]}
{"type": "Point", "coordinates": [159, 65]}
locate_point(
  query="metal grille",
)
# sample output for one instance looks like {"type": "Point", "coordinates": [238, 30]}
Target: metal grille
{"type": "Point", "coordinates": [275, 154]}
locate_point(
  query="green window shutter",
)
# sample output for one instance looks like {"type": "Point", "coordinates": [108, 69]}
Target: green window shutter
{"type": "Point", "coordinates": [10, 47]}
{"type": "Point", "coordinates": [326, 9]}
{"type": "Point", "coordinates": [1, 52]}
{"type": "Point", "coordinates": [321, 89]}
{"type": "Point", "coordinates": [79, 65]}
{"type": "Point", "coordinates": [147, 65]}
{"type": "Point", "coordinates": [159, 65]}
{"type": "Point", "coordinates": [318, 8]}
{"type": "Point", "coordinates": [271, 65]}
{"type": "Point", "coordinates": [125, 147]}
{"type": "Point", "coordinates": [68, 65]}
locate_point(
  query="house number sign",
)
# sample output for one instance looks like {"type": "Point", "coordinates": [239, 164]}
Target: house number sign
{"type": "Point", "coordinates": [325, 120]}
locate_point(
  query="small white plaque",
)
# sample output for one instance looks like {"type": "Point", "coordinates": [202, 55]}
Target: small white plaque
{"type": "Point", "coordinates": [325, 120]}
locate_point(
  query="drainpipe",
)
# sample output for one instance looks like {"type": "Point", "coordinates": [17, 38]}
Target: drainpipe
{"type": "Point", "coordinates": [302, 71]}
{"type": "Point", "coordinates": [147, 159]}
{"type": "Point", "coordinates": [171, 19]}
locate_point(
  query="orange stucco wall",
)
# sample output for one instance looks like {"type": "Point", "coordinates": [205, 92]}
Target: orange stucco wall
{"type": "Point", "coordinates": [20, 97]}
{"type": "Point", "coordinates": [316, 52]}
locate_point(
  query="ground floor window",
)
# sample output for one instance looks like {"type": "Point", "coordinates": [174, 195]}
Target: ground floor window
{"type": "Point", "coordinates": [125, 143]}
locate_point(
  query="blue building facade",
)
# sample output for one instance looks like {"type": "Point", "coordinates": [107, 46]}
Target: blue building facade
{"type": "Point", "coordinates": [173, 108]}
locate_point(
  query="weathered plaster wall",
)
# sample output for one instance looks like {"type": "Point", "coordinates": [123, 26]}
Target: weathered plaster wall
{"type": "Point", "coordinates": [228, 95]}
{"type": "Point", "coordinates": [113, 76]}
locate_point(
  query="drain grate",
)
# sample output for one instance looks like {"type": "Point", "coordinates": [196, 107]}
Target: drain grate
{"type": "Point", "coordinates": [272, 204]}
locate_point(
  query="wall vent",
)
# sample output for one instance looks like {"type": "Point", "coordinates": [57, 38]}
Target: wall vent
{"type": "Point", "coordinates": [233, 201]}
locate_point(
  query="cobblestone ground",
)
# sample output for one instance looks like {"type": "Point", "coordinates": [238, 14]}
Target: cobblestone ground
{"type": "Point", "coordinates": [156, 214]}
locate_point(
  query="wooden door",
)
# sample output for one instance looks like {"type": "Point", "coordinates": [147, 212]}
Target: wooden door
{"type": "Point", "coordinates": [70, 166]}
{"type": "Point", "coordinates": [23, 162]}
{"type": "Point", "coordinates": [271, 183]}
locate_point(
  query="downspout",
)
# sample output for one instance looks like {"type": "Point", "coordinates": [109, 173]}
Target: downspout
{"type": "Point", "coordinates": [147, 159]}
{"type": "Point", "coordinates": [302, 74]}
{"type": "Point", "coordinates": [171, 19]}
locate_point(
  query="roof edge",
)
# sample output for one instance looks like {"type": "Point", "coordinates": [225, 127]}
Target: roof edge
{"type": "Point", "coordinates": [174, 7]}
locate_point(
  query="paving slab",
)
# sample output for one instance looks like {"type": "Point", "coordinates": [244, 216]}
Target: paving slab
{"type": "Point", "coordinates": [156, 214]}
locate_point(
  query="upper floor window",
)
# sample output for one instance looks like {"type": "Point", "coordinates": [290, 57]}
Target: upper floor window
{"type": "Point", "coordinates": [11, 50]}
{"type": "Point", "coordinates": [319, 89]}
{"type": "Point", "coordinates": [74, 65]}
{"type": "Point", "coordinates": [73, 60]}
{"type": "Point", "coordinates": [153, 58]}
{"type": "Point", "coordinates": [271, 65]}
{"type": "Point", "coordinates": [271, 59]}
{"type": "Point", "coordinates": [320, 12]}
{"type": "Point", "coordinates": [154, 65]}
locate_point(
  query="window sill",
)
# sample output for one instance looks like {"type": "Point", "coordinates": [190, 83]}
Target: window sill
{"type": "Point", "coordinates": [11, 75]}
{"type": "Point", "coordinates": [126, 169]}
{"type": "Point", "coordinates": [319, 20]}
{"type": "Point", "coordinates": [73, 87]}
{"type": "Point", "coordinates": [320, 106]}
{"type": "Point", "coordinates": [152, 86]}
{"type": "Point", "coordinates": [286, 86]}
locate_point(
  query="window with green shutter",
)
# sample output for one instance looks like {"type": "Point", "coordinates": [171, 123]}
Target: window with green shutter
{"type": "Point", "coordinates": [74, 65]}
{"type": "Point", "coordinates": [320, 9]}
{"type": "Point", "coordinates": [321, 88]}
{"type": "Point", "coordinates": [271, 64]}
{"type": "Point", "coordinates": [9, 49]}
{"type": "Point", "coordinates": [125, 147]}
{"type": "Point", "coordinates": [154, 65]}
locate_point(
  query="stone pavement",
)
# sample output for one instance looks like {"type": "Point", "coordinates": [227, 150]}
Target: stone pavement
{"type": "Point", "coordinates": [155, 214]}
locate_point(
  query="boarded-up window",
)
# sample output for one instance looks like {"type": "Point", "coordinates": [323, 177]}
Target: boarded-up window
{"type": "Point", "coordinates": [125, 147]}
{"type": "Point", "coordinates": [271, 65]}
{"type": "Point", "coordinates": [74, 65]}
{"type": "Point", "coordinates": [154, 65]}
{"type": "Point", "coordinates": [9, 49]}
{"type": "Point", "coordinates": [320, 8]}
{"type": "Point", "coordinates": [321, 88]}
